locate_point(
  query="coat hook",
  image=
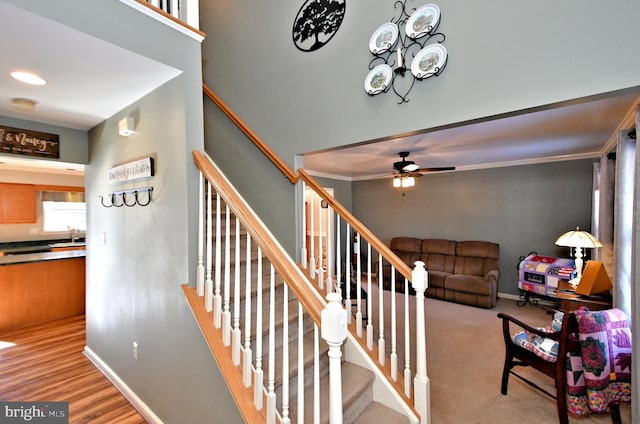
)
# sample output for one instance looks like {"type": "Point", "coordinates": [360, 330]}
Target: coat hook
{"type": "Point", "coordinates": [102, 201]}
{"type": "Point", "coordinates": [114, 196]}
{"type": "Point", "coordinates": [124, 199]}
{"type": "Point", "coordinates": [149, 190]}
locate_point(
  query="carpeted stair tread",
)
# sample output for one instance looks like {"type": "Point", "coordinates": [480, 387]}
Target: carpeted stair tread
{"type": "Point", "coordinates": [379, 413]}
{"type": "Point", "coordinates": [357, 393]}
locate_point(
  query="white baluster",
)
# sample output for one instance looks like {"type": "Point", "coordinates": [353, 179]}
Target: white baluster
{"type": "Point", "coordinates": [312, 236]}
{"type": "Point", "coordinates": [421, 383]}
{"type": "Point", "coordinates": [348, 276]}
{"type": "Point", "coordinates": [356, 250]}
{"type": "Point", "coordinates": [320, 244]}
{"type": "Point", "coordinates": [394, 355]}
{"type": "Point", "coordinates": [359, 293]}
{"type": "Point", "coordinates": [329, 256]}
{"type": "Point", "coordinates": [316, 375]}
{"type": "Point", "coordinates": [218, 270]}
{"type": "Point", "coordinates": [271, 394]}
{"type": "Point", "coordinates": [334, 332]}
{"type": "Point", "coordinates": [217, 299]}
{"type": "Point", "coordinates": [285, 355]}
{"type": "Point", "coordinates": [236, 341]}
{"type": "Point", "coordinates": [338, 258]}
{"type": "Point", "coordinates": [246, 371]}
{"type": "Point", "coordinates": [407, 342]}
{"type": "Point", "coordinates": [370, 306]}
{"type": "Point", "coordinates": [200, 267]}
{"type": "Point", "coordinates": [258, 375]}
{"type": "Point", "coordinates": [208, 285]}
{"type": "Point", "coordinates": [300, 364]}
{"type": "Point", "coordinates": [305, 229]}
{"type": "Point", "coordinates": [226, 312]}
{"type": "Point", "coordinates": [381, 341]}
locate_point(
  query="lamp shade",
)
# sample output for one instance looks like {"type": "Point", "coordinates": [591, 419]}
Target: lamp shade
{"type": "Point", "coordinates": [578, 238]}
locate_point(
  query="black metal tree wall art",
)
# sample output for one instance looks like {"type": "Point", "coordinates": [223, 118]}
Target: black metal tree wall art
{"type": "Point", "coordinates": [317, 22]}
{"type": "Point", "coordinates": [403, 43]}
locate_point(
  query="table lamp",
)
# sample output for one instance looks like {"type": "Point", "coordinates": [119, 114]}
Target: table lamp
{"type": "Point", "coordinates": [578, 239]}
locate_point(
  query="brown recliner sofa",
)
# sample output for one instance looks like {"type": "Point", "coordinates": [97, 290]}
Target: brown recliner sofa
{"type": "Point", "coordinates": [465, 272]}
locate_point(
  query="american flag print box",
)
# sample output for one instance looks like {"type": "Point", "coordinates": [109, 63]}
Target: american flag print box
{"type": "Point", "coordinates": [541, 274]}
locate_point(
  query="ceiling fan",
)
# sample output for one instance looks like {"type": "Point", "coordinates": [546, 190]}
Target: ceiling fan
{"type": "Point", "coordinates": [408, 168]}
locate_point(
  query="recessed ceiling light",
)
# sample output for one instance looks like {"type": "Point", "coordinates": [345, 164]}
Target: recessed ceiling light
{"type": "Point", "coordinates": [23, 104]}
{"type": "Point", "coordinates": [28, 78]}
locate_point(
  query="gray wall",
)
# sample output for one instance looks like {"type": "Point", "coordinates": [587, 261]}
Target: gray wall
{"type": "Point", "coordinates": [500, 61]}
{"type": "Point", "coordinates": [133, 280]}
{"type": "Point", "coordinates": [523, 208]}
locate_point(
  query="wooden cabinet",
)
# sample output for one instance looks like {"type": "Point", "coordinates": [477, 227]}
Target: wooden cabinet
{"type": "Point", "coordinates": [34, 292]}
{"type": "Point", "coordinates": [17, 203]}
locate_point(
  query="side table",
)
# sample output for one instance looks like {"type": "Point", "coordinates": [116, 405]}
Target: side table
{"type": "Point", "coordinates": [568, 300]}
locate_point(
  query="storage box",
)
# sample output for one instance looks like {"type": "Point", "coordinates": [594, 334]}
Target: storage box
{"type": "Point", "coordinates": [540, 274]}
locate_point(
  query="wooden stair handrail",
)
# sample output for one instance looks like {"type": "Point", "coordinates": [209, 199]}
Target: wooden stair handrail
{"type": "Point", "coordinates": [292, 275]}
{"type": "Point", "coordinates": [270, 154]}
{"type": "Point", "coordinates": [380, 247]}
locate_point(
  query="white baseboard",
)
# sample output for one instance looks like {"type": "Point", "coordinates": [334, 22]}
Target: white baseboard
{"type": "Point", "coordinates": [508, 296]}
{"type": "Point", "coordinates": [137, 403]}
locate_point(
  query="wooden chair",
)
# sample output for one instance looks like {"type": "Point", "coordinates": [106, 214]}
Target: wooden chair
{"type": "Point", "coordinates": [517, 355]}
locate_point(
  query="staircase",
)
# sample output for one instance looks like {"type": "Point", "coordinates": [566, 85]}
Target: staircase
{"type": "Point", "coordinates": [261, 316]}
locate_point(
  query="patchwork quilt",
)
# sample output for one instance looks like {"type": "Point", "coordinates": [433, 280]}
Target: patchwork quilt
{"type": "Point", "coordinates": [601, 371]}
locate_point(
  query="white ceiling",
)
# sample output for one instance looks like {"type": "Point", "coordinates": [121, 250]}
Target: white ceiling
{"type": "Point", "coordinates": [580, 130]}
{"type": "Point", "coordinates": [89, 80]}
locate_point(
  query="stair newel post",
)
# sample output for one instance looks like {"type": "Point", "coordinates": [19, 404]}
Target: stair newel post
{"type": "Point", "coordinates": [305, 230]}
{"type": "Point", "coordinates": [258, 375]}
{"type": "Point", "coordinates": [200, 267]}
{"type": "Point", "coordinates": [226, 313]}
{"type": "Point", "coordinates": [421, 383]}
{"type": "Point", "coordinates": [334, 332]}
{"type": "Point", "coordinates": [235, 346]}
{"type": "Point", "coordinates": [407, 342]}
{"type": "Point", "coordinates": [208, 285]}
{"type": "Point", "coordinates": [271, 394]}
{"type": "Point", "coordinates": [312, 233]}
{"type": "Point", "coordinates": [247, 318]}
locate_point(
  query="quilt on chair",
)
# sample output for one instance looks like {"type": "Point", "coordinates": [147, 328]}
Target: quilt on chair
{"type": "Point", "coordinates": [600, 372]}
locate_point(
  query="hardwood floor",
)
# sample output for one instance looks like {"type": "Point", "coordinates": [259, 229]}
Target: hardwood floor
{"type": "Point", "coordinates": [46, 364]}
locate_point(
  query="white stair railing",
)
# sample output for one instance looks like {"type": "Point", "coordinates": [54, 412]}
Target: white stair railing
{"type": "Point", "coordinates": [238, 257]}
{"type": "Point", "coordinates": [356, 239]}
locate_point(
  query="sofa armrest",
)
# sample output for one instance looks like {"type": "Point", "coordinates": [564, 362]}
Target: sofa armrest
{"type": "Point", "coordinates": [492, 275]}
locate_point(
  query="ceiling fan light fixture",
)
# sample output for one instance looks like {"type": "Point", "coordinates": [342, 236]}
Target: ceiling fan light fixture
{"type": "Point", "coordinates": [397, 182]}
{"type": "Point", "coordinates": [411, 167]}
{"type": "Point", "coordinates": [408, 182]}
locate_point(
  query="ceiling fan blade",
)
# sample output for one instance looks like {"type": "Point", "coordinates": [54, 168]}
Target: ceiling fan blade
{"type": "Point", "coordinates": [440, 169]}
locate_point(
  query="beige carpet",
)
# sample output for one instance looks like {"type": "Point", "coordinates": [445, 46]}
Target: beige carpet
{"type": "Point", "coordinates": [465, 355]}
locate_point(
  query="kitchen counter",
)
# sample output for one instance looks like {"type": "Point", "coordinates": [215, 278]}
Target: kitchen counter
{"type": "Point", "coordinates": [38, 287]}
{"type": "Point", "coordinates": [41, 257]}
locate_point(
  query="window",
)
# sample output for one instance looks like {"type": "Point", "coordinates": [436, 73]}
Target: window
{"type": "Point", "coordinates": [64, 211]}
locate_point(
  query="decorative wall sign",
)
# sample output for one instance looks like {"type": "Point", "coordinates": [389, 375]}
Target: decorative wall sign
{"type": "Point", "coordinates": [132, 171]}
{"type": "Point", "coordinates": [317, 22]}
{"type": "Point", "coordinates": [18, 141]}
{"type": "Point", "coordinates": [415, 29]}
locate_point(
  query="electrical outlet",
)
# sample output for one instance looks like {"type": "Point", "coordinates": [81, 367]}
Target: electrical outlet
{"type": "Point", "coordinates": [135, 350]}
